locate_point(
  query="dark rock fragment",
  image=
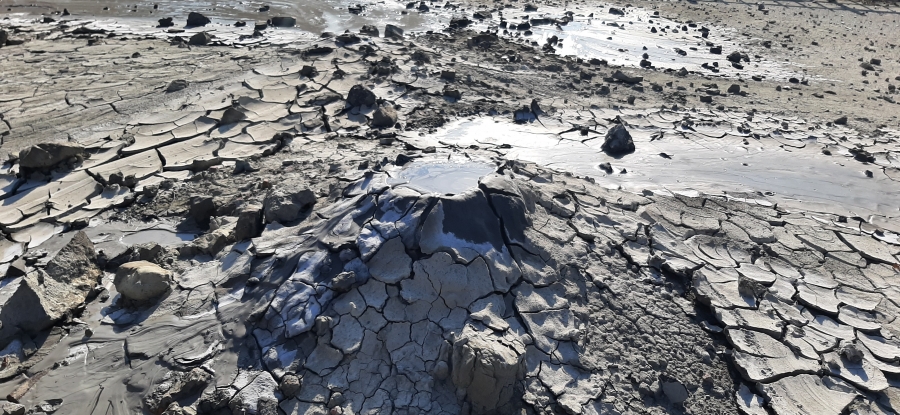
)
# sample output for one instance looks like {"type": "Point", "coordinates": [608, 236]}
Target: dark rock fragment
{"type": "Point", "coordinates": [359, 95]}
{"type": "Point", "coordinates": [200, 39]}
{"type": "Point", "coordinates": [618, 141]}
{"type": "Point", "coordinates": [452, 92]}
{"type": "Point", "coordinates": [197, 19]}
{"type": "Point", "coordinates": [394, 32]}
{"type": "Point", "coordinates": [459, 22]}
{"type": "Point", "coordinates": [284, 207]}
{"type": "Point", "coordinates": [283, 21]}
{"type": "Point", "coordinates": [201, 209]}
{"type": "Point", "coordinates": [675, 391]}
{"type": "Point", "coordinates": [318, 50]}
{"type": "Point", "coordinates": [621, 76]}
{"type": "Point", "coordinates": [166, 22]}
{"type": "Point", "coordinates": [605, 167]}
{"type": "Point", "coordinates": [46, 296]}
{"type": "Point", "coordinates": [369, 30]}
{"type": "Point", "coordinates": [385, 116]}
{"type": "Point", "coordinates": [250, 222]}
{"type": "Point", "coordinates": [851, 351]}
{"type": "Point", "coordinates": [177, 85]}
{"type": "Point", "coordinates": [737, 57]}
{"type": "Point", "coordinates": [347, 38]}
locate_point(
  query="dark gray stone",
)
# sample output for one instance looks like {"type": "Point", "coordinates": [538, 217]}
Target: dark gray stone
{"type": "Point", "coordinates": [282, 21]}
{"type": "Point", "coordinates": [177, 85]}
{"type": "Point", "coordinates": [360, 95]}
{"type": "Point", "coordinates": [197, 19]}
{"type": "Point", "coordinates": [618, 141]}
{"type": "Point", "coordinates": [392, 31]}
{"type": "Point", "coordinates": [200, 39]}
{"type": "Point", "coordinates": [370, 30]}
{"type": "Point", "coordinates": [384, 117]}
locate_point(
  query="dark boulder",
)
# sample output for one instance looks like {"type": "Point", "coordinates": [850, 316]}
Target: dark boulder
{"type": "Point", "coordinates": [200, 39]}
{"type": "Point", "coordinates": [618, 141]}
{"type": "Point", "coordinates": [392, 31]}
{"type": "Point", "coordinates": [384, 117]}
{"type": "Point", "coordinates": [197, 19]}
{"type": "Point", "coordinates": [360, 95]}
{"type": "Point", "coordinates": [282, 21]}
{"type": "Point", "coordinates": [369, 30]}
{"type": "Point", "coordinates": [737, 57]}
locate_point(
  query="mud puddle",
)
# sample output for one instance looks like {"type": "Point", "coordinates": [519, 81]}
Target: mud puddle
{"type": "Point", "coordinates": [440, 176]}
{"type": "Point", "coordinates": [667, 160]}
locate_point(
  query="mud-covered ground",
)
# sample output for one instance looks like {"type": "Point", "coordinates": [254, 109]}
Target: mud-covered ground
{"type": "Point", "coordinates": [671, 207]}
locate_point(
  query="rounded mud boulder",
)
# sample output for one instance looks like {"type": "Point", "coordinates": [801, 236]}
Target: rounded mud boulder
{"type": "Point", "coordinates": [47, 155]}
{"type": "Point", "coordinates": [487, 368]}
{"type": "Point", "coordinates": [283, 206]}
{"type": "Point", "coordinates": [142, 280]}
{"type": "Point", "coordinates": [384, 117]}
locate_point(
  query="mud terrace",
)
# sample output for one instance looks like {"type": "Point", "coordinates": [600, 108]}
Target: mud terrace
{"type": "Point", "coordinates": [506, 212]}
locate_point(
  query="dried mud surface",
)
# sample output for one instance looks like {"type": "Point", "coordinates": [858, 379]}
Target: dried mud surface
{"type": "Point", "coordinates": [441, 222]}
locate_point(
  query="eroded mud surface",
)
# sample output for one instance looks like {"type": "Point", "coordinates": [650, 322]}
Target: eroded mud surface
{"type": "Point", "coordinates": [448, 222]}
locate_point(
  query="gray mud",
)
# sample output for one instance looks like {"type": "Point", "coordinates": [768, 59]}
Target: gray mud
{"type": "Point", "coordinates": [452, 222]}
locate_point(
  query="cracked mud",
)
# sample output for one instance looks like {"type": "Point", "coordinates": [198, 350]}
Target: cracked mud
{"type": "Point", "coordinates": [487, 213]}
